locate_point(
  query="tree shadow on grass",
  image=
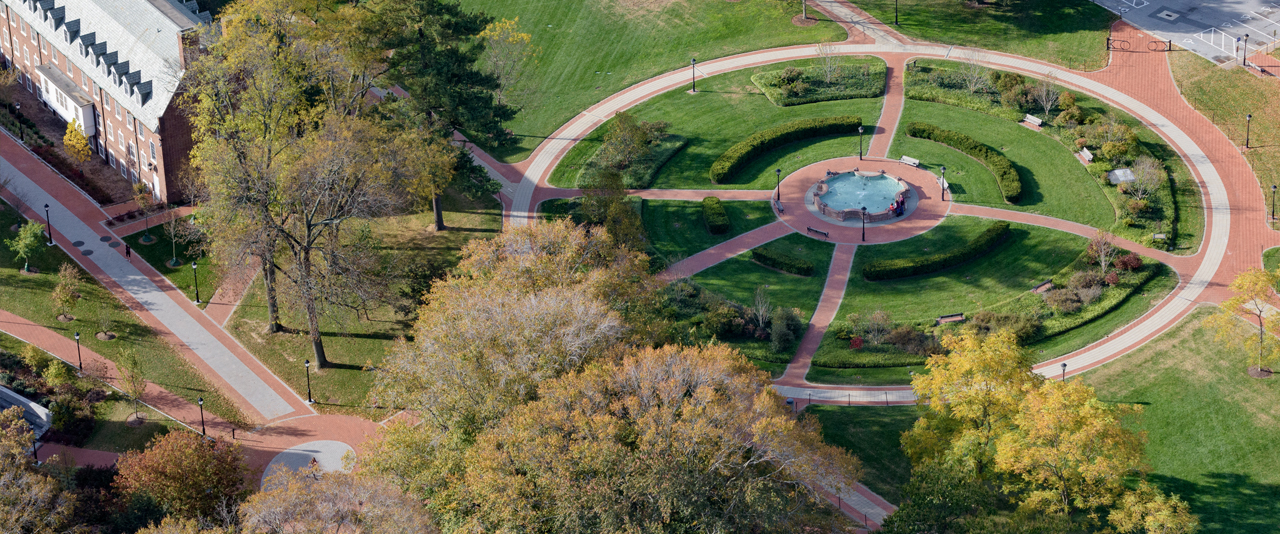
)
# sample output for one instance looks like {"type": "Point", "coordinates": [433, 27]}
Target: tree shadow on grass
{"type": "Point", "coordinates": [1228, 503]}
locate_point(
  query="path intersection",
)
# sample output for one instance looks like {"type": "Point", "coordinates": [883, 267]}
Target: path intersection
{"type": "Point", "coordinates": [1137, 81]}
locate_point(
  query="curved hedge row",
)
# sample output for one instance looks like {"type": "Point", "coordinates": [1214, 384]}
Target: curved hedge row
{"type": "Point", "coordinates": [902, 268]}
{"type": "Point", "coordinates": [782, 261]}
{"type": "Point", "coordinates": [717, 219]}
{"type": "Point", "coordinates": [1006, 176]}
{"type": "Point", "coordinates": [737, 157]}
{"type": "Point", "coordinates": [869, 356]}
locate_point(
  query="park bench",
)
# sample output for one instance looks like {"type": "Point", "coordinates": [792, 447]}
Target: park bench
{"type": "Point", "coordinates": [778, 205]}
{"type": "Point", "coordinates": [1043, 287]}
{"type": "Point", "coordinates": [1088, 156]}
{"type": "Point", "coordinates": [817, 231]}
{"type": "Point", "coordinates": [910, 161]}
{"type": "Point", "coordinates": [953, 318]}
{"type": "Point", "coordinates": [1031, 119]}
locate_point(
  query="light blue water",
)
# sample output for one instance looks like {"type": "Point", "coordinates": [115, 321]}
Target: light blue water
{"type": "Point", "coordinates": [850, 192]}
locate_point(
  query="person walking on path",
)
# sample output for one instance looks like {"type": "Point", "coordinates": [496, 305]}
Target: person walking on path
{"type": "Point", "coordinates": [128, 253]}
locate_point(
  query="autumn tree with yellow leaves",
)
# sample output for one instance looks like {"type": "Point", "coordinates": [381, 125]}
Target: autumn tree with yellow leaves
{"type": "Point", "coordinates": [509, 53]}
{"type": "Point", "coordinates": [75, 143]}
{"type": "Point", "coordinates": [1250, 298]}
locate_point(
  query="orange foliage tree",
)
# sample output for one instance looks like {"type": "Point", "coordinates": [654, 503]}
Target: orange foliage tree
{"type": "Point", "coordinates": [188, 474]}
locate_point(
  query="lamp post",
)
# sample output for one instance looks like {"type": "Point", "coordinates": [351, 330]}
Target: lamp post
{"type": "Point", "coordinates": [196, 273]}
{"type": "Point", "coordinates": [79, 360]}
{"type": "Point", "coordinates": [1248, 121]}
{"type": "Point", "coordinates": [864, 223]}
{"type": "Point", "coordinates": [307, 364]}
{"type": "Point", "coordinates": [50, 222]}
{"type": "Point", "coordinates": [777, 185]}
{"type": "Point", "coordinates": [1273, 202]}
{"type": "Point", "coordinates": [693, 74]}
{"type": "Point", "coordinates": [943, 184]}
{"type": "Point", "coordinates": [1064, 371]}
{"type": "Point", "coordinates": [200, 401]}
{"type": "Point", "coordinates": [895, 12]}
{"type": "Point", "coordinates": [1245, 61]}
{"type": "Point", "coordinates": [859, 143]}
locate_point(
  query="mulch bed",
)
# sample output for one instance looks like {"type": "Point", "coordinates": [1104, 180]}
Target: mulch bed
{"type": "Point", "coordinates": [1259, 372]}
{"type": "Point", "coordinates": [800, 20]}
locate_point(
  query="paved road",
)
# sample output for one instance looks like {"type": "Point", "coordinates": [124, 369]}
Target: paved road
{"type": "Point", "coordinates": [1215, 30]}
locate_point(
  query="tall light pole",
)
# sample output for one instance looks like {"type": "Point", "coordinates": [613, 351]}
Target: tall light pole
{"type": "Point", "coordinates": [864, 223]}
{"type": "Point", "coordinates": [777, 185]}
{"type": "Point", "coordinates": [307, 364]}
{"type": "Point", "coordinates": [693, 73]}
{"type": "Point", "coordinates": [895, 12]}
{"type": "Point", "coordinates": [1273, 202]}
{"type": "Point", "coordinates": [943, 184]}
{"type": "Point", "coordinates": [48, 221]}
{"type": "Point", "coordinates": [196, 274]}
{"type": "Point", "coordinates": [200, 401]}
{"type": "Point", "coordinates": [1064, 371]}
{"type": "Point", "coordinates": [1246, 49]}
{"type": "Point", "coordinates": [79, 361]}
{"type": "Point", "coordinates": [1248, 122]}
{"type": "Point", "coordinates": [859, 143]}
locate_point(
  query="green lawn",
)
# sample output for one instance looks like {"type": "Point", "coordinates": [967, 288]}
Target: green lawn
{"type": "Point", "coordinates": [872, 433]}
{"type": "Point", "coordinates": [28, 296]}
{"type": "Point", "coordinates": [726, 110]}
{"type": "Point", "coordinates": [351, 342]}
{"type": "Point", "coordinates": [593, 49]}
{"type": "Point", "coordinates": [738, 277]}
{"type": "Point", "coordinates": [1211, 429]}
{"type": "Point", "coordinates": [1071, 33]}
{"type": "Point", "coordinates": [111, 433]}
{"type": "Point", "coordinates": [677, 230]}
{"type": "Point", "coordinates": [161, 252]}
{"type": "Point", "coordinates": [1054, 183]}
{"type": "Point", "coordinates": [1139, 303]}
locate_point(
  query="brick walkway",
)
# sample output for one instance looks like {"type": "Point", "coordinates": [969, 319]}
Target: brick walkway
{"type": "Point", "coordinates": [712, 256]}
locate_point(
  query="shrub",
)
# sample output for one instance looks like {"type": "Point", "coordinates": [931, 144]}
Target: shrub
{"type": "Point", "coordinates": [1112, 278]}
{"type": "Point", "coordinates": [1129, 262]}
{"type": "Point", "coordinates": [904, 267]}
{"type": "Point", "coordinates": [785, 328]}
{"type": "Point", "coordinates": [1100, 168]}
{"type": "Point", "coordinates": [870, 356]}
{"type": "Point", "coordinates": [71, 173]}
{"type": "Point", "coordinates": [1085, 279]}
{"type": "Point", "coordinates": [1023, 326]}
{"type": "Point", "coordinates": [1006, 176]}
{"type": "Point", "coordinates": [715, 216]}
{"type": "Point", "coordinates": [1063, 300]}
{"type": "Point", "coordinates": [35, 358]}
{"type": "Point", "coordinates": [1089, 294]}
{"type": "Point", "coordinates": [782, 261]}
{"type": "Point", "coordinates": [739, 155]}
{"type": "Point", "coordinates": [907, 339]}
{"type": "Point", "coordinates": [793, 87]}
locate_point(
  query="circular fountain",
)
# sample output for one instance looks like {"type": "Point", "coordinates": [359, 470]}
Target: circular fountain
{"type": "Point", "coordinates": [842, 196]}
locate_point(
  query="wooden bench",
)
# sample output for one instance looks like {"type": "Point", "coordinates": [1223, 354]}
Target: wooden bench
{"type": "Point", "coordinates": [1043, 287]}
{"type": "Point", "coordinates": [1031, 119]}
{"type": "Point", "coordinates": [953, 318]}
{"type": "Point", "coordinates": [1088, 156]}
{"type": "Point", "coordinates": [910, 161]}
{"type": "Point", "coordinates": [817, 231]}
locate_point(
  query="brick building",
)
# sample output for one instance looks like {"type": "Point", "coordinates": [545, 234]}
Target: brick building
{"type": "Point", "coordinates": [115, 66]}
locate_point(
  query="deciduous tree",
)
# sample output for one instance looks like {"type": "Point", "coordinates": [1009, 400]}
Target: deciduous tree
{"type": "Point", "coordinates": [979, 381]}
{"type": "Point", "coordinates": [30, 501]}
{"type": "Point", "coordinates": [30, 238]}
{"type": "Point", "coordinates": [67, 293]}
{"type": "Point", "coordinates": [1045, 93]}
{"type": "Point", "coordinates": [629, 139]}
{"type": "Point", "coordinates": [310, 501]}
{"type": "Point", "coordinates": [1148, 176]}
{"type": "Point", "coordinates": [1070, 449]}
{"type": "Point", "coordinates": [976, 76]}
{"type": "Point", "coordinates": [75, 143]}
{"type": "Point", "coordinates": [1147, 510]}
{"type": "Point", "coordinates": [672, 438]}
{"type": "Point", "coordinates": [1102, 250]}
{"type": "Point", "coordinates": [828, 61]}
{"type": "Point", "coordinates": [188, 474]}
{"type": "Point", "coordinates": [508, 53]}
{"type": "Point", "coordinates": [132, 381]}
{"type": "Point", "coordinates": [1250, 296]}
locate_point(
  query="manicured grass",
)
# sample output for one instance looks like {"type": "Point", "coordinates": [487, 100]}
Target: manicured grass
{"type": "Point", "coordinates": [1225, 96]}
{"type": "Point", "coordinates": [351, 342]}
{"type": "Point", "coordinates": [1210, 427]}
{"type": "Point", "coordinates": [1271, 261]}
{"type": "Point", "coordinates": [160, 253]}
{"type": "Point", "coordinates": [754, 347]}
{"type": "Point", "coordinates": [873, 434]}
{"type": "Point", "coordinates": [1054, 183]}
{"type": "Point", "coordinates": [1071, 33]}
{"type": "Point", "coordinates": [738, 277]}
{"type": "Point", "coordinates": [28, 296]}
{"type": "Point", "coordinates": [592, 49]}
{"type": "Point", "coordinates": [866, 376]}
{"type": "Point", "coordinates": [726, 110]}
{"type": "Point", "coordinates": [111, 433]}
{"type": "Point", "coordinates": [677, 230]}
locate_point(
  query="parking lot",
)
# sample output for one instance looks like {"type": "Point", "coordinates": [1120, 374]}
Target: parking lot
{"type": "Point", "coordinates": [1215, 30]}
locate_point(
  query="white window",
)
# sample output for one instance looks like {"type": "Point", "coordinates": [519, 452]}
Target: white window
{"type": "Point", "coordinates": [26, 55]}
{"type": "Point", "coordinates": [153, 150]}
{"type": "Point", "coordinates": [111, 159]}
{"type": "Point", "coordinates": [62, 99]}
{"type": "Point", "coordinates": [54, 56]}
{"type": "Point", "coordinates": [119, 137]}
{"type": "Point", "coordinates": [84, 81]}
{"type": "Point", "coordinates": [23, 26]}
{"type": "Point", "coordinates": [117, 108]}
{"type": "Point", "coordinates": [128, 122]}
{"type": "Point", "coordinates": [109, 138]}
{"type": "Point", "coordinates": [121, 167]}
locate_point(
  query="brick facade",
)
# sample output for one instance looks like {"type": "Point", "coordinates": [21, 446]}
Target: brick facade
{"type": "Point", "coordinates": [149, 144]}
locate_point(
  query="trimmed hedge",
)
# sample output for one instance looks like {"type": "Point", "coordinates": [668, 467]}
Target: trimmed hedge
{"type": "Point", "coordinates": [904, 267]}
{"type": "Point", "coordinates": [1006, 176]}
{"type": "Point", "coordinates": [717, 219]}
{"type": "Point", "coordinates": [782, 261]}
{"type": "Point", "coordinates": [739, 155]}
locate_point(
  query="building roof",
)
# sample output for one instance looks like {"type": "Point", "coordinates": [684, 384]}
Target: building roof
{"type": "Point", "coordinates": [130, 48]}
{"type": "Point", "coordinates": [1120, 176]}
{"type": "Point", "coordinates": [37, 416]}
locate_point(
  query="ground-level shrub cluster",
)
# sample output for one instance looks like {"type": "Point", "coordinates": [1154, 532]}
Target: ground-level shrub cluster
{"type": "Point", "coordinates": [859, 77]}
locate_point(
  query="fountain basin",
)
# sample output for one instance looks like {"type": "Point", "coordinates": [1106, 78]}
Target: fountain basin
{"type": "Point", "coordinates": [842, 196]}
